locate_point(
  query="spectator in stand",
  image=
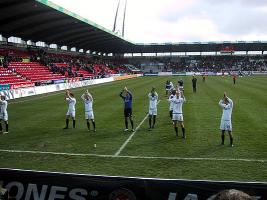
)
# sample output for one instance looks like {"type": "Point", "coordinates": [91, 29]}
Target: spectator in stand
{"type": "Point", "coordinates": [5, 63]}
{"type": "Point", "coordinates": [231, 194]}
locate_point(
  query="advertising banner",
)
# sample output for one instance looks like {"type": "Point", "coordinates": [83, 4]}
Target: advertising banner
{"type": "Point", "coordinates": [150, 74]}
{"type": "Point", "coordinates": [59, 81]}
{"type": "Point", "coordinates": [118, 78]}
{"type": "Point", "coordinates": [25, 92]}
{"type": "Point", "coordinates": [4, 87]}
{"type": "Point", "coordinates": [179, 74]}
{"type": "Point", "coordinates": [26, 185]}
{"type": "Point", "coordinates": [29, 91]}
{"type": "Point", "coordinates": [165, 73]}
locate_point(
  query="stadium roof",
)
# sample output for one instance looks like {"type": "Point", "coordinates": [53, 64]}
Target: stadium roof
{"type": "Point", "coordinates": [203, 46]}
{"type": "Point", "coordinates": [42, 20]}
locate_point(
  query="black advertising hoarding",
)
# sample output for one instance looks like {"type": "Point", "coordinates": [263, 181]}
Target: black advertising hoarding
{"type": "Point", "coordinates": [26, 185]}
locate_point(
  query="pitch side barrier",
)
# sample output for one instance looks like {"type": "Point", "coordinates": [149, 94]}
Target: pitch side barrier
{"type": "Point", "coordinates": [38, 185]}
{"type": "Point", "coordinates": [245, 73]}
{"type": "Point", "coordinates": [36, 90]}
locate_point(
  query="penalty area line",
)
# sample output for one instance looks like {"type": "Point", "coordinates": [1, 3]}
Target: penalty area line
{"type": "Point", "coordinates": [134, 157]}
{"type": "Point", "coordinates": [131, 136]}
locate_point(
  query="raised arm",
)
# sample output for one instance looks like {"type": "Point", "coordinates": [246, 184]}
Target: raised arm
{"type": "Point", "coordinates": [156, 94]}
{"type": "Point", "coordinates": [129, 93]}
{"type": "Point", "coordinates": [82, 97]}
{"type": "Point", "coordinates": [182, 96]}
{"type": "Point", "coordinates": [230, 102]}
{"type": "Point", "coordinates": [90, 96]}
{"type": "Point", "coordinates": [67, 95]}
{"type": "Point", "coordinates": [221, 103]}
{"type": "Point", "coordinates": [121, 94]}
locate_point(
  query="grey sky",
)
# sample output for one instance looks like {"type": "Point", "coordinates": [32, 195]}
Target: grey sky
{"type": "Point", "coordinates": [180, 20]}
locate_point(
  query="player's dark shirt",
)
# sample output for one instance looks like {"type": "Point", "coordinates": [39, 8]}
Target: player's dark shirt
{"type": "Point", "coordinates": [194, 82]}
{"type": "Point", "coordinates": [168, 86]}
{"type": "Point", "coordinates": [181, 83]}
{"type": "Point", "coordinates": [128, 99]}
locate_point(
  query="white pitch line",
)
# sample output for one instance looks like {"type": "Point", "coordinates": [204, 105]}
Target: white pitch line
{"type": "Point", "coordinates": [53, 153]}
{"type": "Point", "coordinates": [192, 158]}
{"type": "Point", "coordinates": [130, 137]}
{"type": "Point", "coordinates": [135, 157]}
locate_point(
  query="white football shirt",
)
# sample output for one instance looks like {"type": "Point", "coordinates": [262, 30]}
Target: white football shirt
{"type": "Point", "coordinates": [72, 103]}
{"type": "Point", "coordinates": [88, 104]}
{"type": "Point", "coordinates": [227, 109]}
{"type": "Point", "coordinates": [171, 103]}
{"type": "Point", "coordinates": [3, 106]}
{"type": "Point", "coordinates": [177, 105]}
{"type": "Point", "coordinates": [153, 101]}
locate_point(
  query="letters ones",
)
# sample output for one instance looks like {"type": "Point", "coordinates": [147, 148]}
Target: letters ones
{"type": "Point", "coordinates": [45, 192]}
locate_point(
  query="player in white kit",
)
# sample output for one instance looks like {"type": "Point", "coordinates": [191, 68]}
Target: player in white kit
{"type": "Point", "coordinates": [226, 121]}
{"type": "Point", "coordinates": [3, 114]}
{"type": "Point", "coordinates": [153, 100]}
{"type": "Point", "coordinates": [169, 87]}
{"type": "Point", "coordinates": [71, 109]}
{"type": "Point", "coordinates": [88, 106]}
{"type": "Point", "coordinates": [171, 103]}
{"type": "Point", "coordinates": [177, 114]}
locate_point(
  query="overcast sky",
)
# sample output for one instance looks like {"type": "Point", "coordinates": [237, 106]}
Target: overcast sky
{"type": "Point", "coordinates": [180, 20]}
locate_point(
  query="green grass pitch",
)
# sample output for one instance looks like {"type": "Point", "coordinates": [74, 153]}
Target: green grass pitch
{"type": "Point", "coordinates": [36, 125]}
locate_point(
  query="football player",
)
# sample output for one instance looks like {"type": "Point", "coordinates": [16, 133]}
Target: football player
{"type": "Point", "coordinates": [3, 114]}
{"type": "Point", "coordinates": [153, 100]}
{"type": "Point", "coordinates": [88, 106]}
{"type": "Point", "coordinates": [177, 114]}
{"type": "Point", "coordinates": [69, 97]}
{"type": "Point", "coordinates": [226, 121]}
{"type": "Point", "coordinates": [128, 103]}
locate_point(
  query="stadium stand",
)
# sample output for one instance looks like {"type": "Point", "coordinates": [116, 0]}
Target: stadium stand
{"type": "Point", "coordinates": [8, 76]}
{"type": "Point", "coordinates": [33, 71]}
{"type": "Point", "coordinates": [206, 63]}
{"type": "Point", "coordinates": [25, 65]}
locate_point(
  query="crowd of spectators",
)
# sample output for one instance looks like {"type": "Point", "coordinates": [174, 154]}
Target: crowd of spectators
{"type": "Point", "coordinates": [209, 63]}
{"type": "Point", "coordinates": [75, 62]}
{"type": "Point", "coordinates": [8, 57]}
{"type": "Point", "coordinates": [224, 63]}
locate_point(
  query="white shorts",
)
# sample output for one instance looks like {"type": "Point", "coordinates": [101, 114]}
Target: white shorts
{"type": "Point", "coordinates": [226, 125]}
{"type": "Point", "coordinates": [152, 112]}
{"type": "Point", "coordinates": [71, 113]}
{"type": "Point", "coordinates": [178, 117]}
{"type": "Point", "coordinates": [181, 88]}
{"type": "Point", "coordinates": [4, 116]}
{"type": "Point", "coordinates": [89, 115]}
